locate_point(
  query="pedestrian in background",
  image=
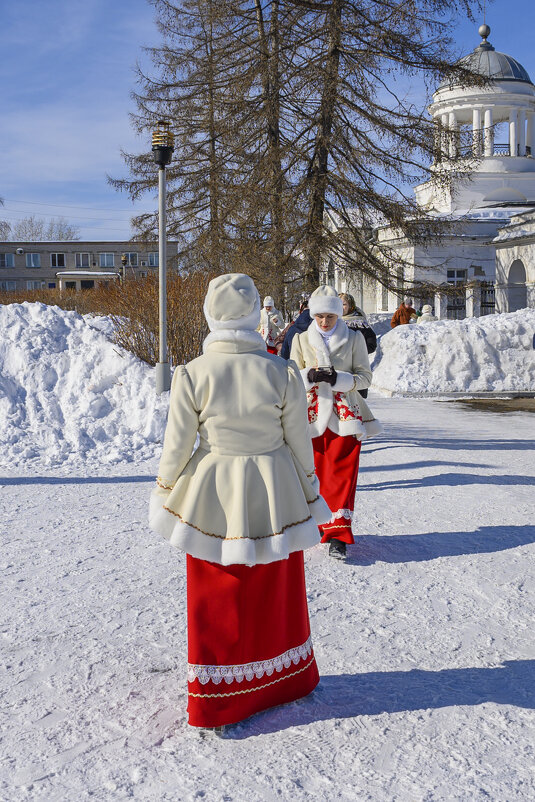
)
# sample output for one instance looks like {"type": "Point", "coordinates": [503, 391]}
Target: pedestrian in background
{"type": "Point", "coordinates": [355, 319]}
{"type": "Point", "coordinates": [300, 324]}
{"type": "Point", "coordinates": [427, 315]}
{"type": "Point", "coordinates": [403, 313]}
{"type": "Point", "coordinates": [271, 324]}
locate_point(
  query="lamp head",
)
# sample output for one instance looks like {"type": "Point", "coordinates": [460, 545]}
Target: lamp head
{"type": "Point", "coordinates": [163, 141]}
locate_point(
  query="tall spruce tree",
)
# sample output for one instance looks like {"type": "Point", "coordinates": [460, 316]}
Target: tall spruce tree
{"type": "Point", "coordinates": [293, 136]}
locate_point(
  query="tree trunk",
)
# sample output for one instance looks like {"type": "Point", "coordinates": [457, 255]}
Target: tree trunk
{"type": "Point", "coordinates": [319, 169]}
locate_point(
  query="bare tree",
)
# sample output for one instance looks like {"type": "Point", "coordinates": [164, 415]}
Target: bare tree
{"type": "Point", "coordinates": [36, 229]}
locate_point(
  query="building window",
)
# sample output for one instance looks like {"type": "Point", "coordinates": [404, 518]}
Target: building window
{"type": "Point", "coordinates": [33, 260]}
{"type": "Point", "coordinates": [34, 285]}
{"type": "Point", "coordinates": [87, 284]}
{"type": "Point", "coordinates": [131, 259]}
{"type": "Point", "coordinates": [7, 260]}
{"type": "Point", "coordinates": [457, 303]}
{"type": "Point", "coordinates": [57, 260]}
{"type": "Point", "coordinates": [51, 285]}
{"type": "Point", "coordinates": [106, 260]}
{"type": "Point", "coordinates": [8, 286]}
{"type": "Point", "coordinates": [70, 285]}
{"type": "Point", "coordinates": [153, 259]}
{"type": "Point", "coordinates": [142, 274]}
{"type": "Point", "coordinates": [82, 260]}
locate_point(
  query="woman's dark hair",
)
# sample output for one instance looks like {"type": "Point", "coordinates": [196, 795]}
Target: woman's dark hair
{"type": "Point", "coordinates": [345, 296]}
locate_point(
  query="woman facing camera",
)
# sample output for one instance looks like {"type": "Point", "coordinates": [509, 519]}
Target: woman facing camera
{"type": "Point", "coordinates": [334, 364]}
{"type": "Point", "coordinates": [243, 507]}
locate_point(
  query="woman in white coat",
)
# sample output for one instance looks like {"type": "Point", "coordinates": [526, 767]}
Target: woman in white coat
{"type": "Point", "coordinates": [334, 364]}
{"type": "Point", "coordinates": [271, 324]}
{"type": "Point", "coordinates": [243, 507]}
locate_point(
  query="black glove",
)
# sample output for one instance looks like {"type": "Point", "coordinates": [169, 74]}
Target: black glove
{"type": "Point", "coordinates": [316, 375]}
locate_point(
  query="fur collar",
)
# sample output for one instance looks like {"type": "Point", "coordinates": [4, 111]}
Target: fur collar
{"type": "Point", "coordinates": [234, 336]}
{"type": "Point", "coordinates": [336, 341]}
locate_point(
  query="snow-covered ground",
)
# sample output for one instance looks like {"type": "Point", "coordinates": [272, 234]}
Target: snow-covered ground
{"type": "Point", "coordinates": [494, 353]}
{"type": "Point", "coordinates": [424, 638]}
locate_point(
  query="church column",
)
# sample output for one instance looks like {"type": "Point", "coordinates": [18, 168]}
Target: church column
{"type": "Point", "coordinates": [531, 133]}
{"type": "Point", "coordinates": [452, 134]}
{"type": "Point", "coordinates": [488, 133]}
{"type": "Point", "coordinates": [521, 132]}
{"type": "Point", "coordinates": [476, 132]}
{"type": "Point", "coordinates": [513, 132]}
{"type": "Point", "coordinates": [445, 139]}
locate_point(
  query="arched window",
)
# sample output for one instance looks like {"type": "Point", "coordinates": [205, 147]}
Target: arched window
{"type": "Point", "coordinates": [517, 295]}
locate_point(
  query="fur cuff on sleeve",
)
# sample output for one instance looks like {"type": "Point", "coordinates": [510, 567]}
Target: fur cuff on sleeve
{"type": "Point", "coordinates": [306, 382]}
{"type": "Point", "coordinates": [344, 382]}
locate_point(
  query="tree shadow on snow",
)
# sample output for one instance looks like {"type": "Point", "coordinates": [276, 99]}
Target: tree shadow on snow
{"type": "Point", "coordinates": [71, 480]}
{"type": "Point", "coordinates": [428, 463]}
{"type": "Point", "coordinates": [406, 437]}
{"type": "Point", "coordinates": [371, 694]}
{"type": "Point", "coordinates": [369, 549]}
{"type": "Point", "coordinates": [450, 480]}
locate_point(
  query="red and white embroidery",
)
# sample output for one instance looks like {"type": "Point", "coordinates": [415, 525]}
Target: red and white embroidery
{"type": "Point", "coordinates": [313, 403]}
{"type": "Point", "coordinates": [344, 409]}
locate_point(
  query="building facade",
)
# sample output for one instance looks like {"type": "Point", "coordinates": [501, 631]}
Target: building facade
{"type": "Point", "coordinates": [76, 264]}
{"type": "Point", "coordinates": [486, 140]}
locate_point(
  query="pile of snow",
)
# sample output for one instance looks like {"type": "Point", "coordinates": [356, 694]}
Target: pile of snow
{"type": "Point", "coordinates": [487, 354]}
{"type": "Point", "coordinates": [68, 394]}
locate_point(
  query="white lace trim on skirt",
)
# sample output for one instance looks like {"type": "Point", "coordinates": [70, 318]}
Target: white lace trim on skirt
{"type": "Point", "coordinates": [249, 671]}
{"type": "Point", "coordinates": [343, 513]}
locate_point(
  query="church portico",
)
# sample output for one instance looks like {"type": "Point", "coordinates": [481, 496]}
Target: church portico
{"type": "Point", "coordinates": [485, 145]}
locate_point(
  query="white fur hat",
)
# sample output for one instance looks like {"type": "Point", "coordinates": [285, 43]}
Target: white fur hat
{"type": "Point", "coordinates": [232, 302]}
{"type": "Point", "coordinates": [325, 301]}
{"type": "Point", "coordinates": [427, 309]}
{"type": "Point", "coordinates": [268, 301]}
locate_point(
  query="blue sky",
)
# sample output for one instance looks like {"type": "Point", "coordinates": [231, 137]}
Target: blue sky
{"type": "Point", "coordinates": [65, 77]}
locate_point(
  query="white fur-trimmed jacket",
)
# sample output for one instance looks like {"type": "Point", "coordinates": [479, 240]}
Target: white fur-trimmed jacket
{"type": "Point", "coordinates": [339, 408]}
{"type": "Point", "coordinates": [271, 325]}
{"type": "Point", "coordinates": [249, 493]}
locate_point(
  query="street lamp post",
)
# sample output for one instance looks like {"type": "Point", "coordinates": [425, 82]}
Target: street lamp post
{"type": "Point", "coordinates": [162, 150]}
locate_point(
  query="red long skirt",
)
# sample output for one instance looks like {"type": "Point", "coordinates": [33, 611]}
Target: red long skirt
{"type": "Point", "coordinates": [249, 645]}
{"type": "Point", "coordinates": [337, 467]}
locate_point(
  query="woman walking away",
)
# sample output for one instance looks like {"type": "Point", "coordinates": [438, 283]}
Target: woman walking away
{"type": "Point", "coordinates": [271, 324]}
{"type": "Point", "coordinates": [243, 507]}
{"type": "Point", "coordinates": [334, 365]}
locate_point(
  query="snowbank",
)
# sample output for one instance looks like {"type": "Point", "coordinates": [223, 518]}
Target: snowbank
{"type": "Point", "coordinates": [67, 394]}
{"type": "Point", "coordinates": [487, 354]}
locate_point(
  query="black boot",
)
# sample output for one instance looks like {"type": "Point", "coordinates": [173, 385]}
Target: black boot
{"type": "Point", "coordinates": [337, 549]}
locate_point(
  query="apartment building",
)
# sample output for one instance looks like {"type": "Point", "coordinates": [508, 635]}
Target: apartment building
{"type": "Point", "coordinates": [77, 265]}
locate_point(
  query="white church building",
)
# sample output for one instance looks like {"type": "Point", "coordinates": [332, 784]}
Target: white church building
{"type": "Point", "coordinates": [487, 135]}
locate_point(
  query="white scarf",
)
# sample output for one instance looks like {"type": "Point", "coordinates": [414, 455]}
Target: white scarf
{"type": "Point", "coordinates": [324, 343]}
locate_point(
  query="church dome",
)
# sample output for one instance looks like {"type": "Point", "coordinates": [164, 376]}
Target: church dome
{"type": "Point", "coordinates": [487, 61]}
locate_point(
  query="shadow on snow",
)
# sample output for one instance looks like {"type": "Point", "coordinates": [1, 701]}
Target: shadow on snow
{"type": "Point", "coordinates": [371, 694]}
{"type": "Point", "coordinates": [369, 549]}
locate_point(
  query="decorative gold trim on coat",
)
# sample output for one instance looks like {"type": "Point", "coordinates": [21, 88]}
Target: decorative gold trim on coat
{"type": "Point", "coordinates": [161, 483]}
{"type": "Point", "coordinates": [224, 537]}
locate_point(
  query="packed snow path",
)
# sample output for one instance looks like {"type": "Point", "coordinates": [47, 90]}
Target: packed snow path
{"type": "Point", "coordinates": [424, 637]}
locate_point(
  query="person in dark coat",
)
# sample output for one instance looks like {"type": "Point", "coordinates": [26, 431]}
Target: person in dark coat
{"type": "Point", "coordinates": [355, 319]}
{"type": "Point", "coordinates": [300, 324]}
